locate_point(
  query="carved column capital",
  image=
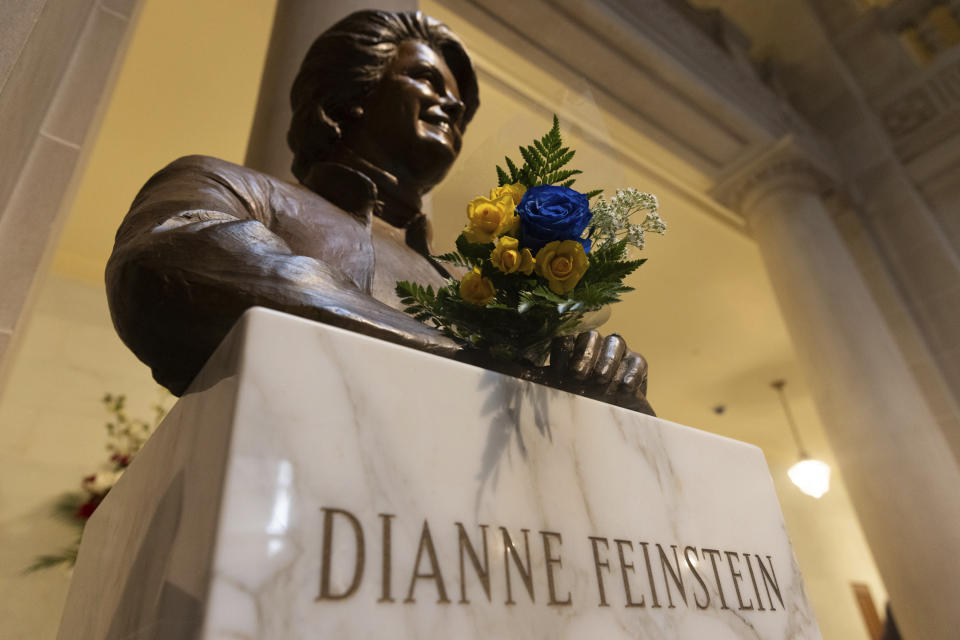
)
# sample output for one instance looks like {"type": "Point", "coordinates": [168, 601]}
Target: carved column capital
{"type": "Point", "coordinates": [784, 165]}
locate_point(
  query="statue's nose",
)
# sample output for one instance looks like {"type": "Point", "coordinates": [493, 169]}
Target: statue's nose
{"type": "Point", "coordinates": [453, 107]}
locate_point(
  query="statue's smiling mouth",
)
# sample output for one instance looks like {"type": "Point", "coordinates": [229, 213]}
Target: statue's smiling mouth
{"type": "Point", "coordinates": [441, 121]}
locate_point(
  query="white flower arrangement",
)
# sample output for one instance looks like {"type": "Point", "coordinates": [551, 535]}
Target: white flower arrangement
{"type": "Point", "coordinates": [612, 219]}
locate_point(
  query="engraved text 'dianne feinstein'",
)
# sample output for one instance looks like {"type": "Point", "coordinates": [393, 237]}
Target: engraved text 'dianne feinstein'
{"type": "Point", "coordinates": [689, 573]}
{"type": "Point", "coordinates": [379, 109]}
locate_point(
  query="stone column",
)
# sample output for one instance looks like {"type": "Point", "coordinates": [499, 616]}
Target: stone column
{"type": "Point", "coordinates": [902, 476]}
{"type": "Point", "coordinates": [58, 65]}
{"type": "Point", "coordinates": [296, 25]}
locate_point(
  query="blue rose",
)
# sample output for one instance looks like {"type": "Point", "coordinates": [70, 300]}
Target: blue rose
{"type": "Point", "coordinates": [551, 213]}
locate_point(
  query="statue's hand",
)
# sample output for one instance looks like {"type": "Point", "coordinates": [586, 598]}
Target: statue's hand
{"type": "Point", "coordinates": [602, 368]}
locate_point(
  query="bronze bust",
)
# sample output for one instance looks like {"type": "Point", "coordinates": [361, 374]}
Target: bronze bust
{"type": "Point", "coordinates": [380, 105]}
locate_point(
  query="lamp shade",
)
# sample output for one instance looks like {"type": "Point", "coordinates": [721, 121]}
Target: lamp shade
{"type": "Point", "coordinates": [811, 476]}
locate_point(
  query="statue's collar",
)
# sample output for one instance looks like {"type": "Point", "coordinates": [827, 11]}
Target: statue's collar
{"type": "Point", "coordinates": [371, 192]}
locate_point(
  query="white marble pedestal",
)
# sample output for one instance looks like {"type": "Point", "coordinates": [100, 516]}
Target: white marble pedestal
{"type": "Point", "coordinates": [317, 483]}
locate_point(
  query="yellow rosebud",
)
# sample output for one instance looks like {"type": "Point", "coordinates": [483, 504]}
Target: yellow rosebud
{"type": "Point", "coordinates": [509, 258]}
{"type": "Point", "coordinates": [515, 191]}
{"type": "Point", "coordinates": [490, 218]}
{"type": "Point", "coordinates": [562, 263]}
{"type": "Point", "coordinates": [476, 289]}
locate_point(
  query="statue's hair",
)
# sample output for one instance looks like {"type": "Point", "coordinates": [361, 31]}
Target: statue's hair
{"type": "Point", "coordinates": [345, 64]}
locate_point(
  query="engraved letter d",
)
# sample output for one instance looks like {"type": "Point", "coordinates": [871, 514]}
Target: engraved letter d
{"type": "Point", "coordinates": [327, 559]}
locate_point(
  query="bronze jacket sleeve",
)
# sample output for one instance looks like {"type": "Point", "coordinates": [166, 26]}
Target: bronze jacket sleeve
{"type": "Point", "coordinates": [196, 250]}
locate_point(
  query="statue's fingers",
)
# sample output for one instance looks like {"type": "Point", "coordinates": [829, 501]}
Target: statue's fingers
{"type": "Point", "coordinates": [585, 354]}
{"type": "Point", "coordinates": [632, 373]}
{"type": "Point", "coordinates": [643, 381]}
{"type": "Point", "coordinates": [613, 385]}
{"type": "Point", "coordinates": [561, 353]}
{"type": "Point", "coordinates": [609, 358]}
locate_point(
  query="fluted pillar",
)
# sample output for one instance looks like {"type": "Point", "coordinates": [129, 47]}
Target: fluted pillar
{"type": "Point", "coordinates": [296, 24]}
{"type": "Point", "coordinates": [901, 474]}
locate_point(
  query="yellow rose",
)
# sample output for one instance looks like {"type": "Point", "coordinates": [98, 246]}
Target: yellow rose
{"type": "Point", "coordinates": [515, 191]}
{"type": "Point", "coordinates": [476, 289]}
{"type": "Point", "coordinates": [490, 218]}
{"type": "Point", "coordinates": [509, 258]}
{"type": "Point", "coordinates": [562, 263]}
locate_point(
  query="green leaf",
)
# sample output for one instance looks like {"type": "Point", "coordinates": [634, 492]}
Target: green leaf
{"type": "Point", "coordinates": [514, 172]}
{"type": "Point", "coordinates": [529, 157]}
{"type": "Point", "coordinates": [474, 253]}
{"type": "Point", "coordinates": [67, 506]}
{"type": "Point", "coordinates": [543, 162]}
{"type": "Point", "coordinates": [67, 556]}
{"type": "Point", "coordinates": [454, 258]}
{"type": "Point", "coordinates": [562, 176]}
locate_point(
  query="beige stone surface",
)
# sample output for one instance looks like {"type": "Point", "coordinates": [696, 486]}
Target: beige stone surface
{"type": "Point", "coordinates": [4, 347]}
{"type": "Point", "coordinates": [123, 7]}
{"type": "Point", "coordinates": [942, 190]}
{"type": "Point", "coordinates": [186, 86]}
{"type": "Point", "coordinates": [32, 83]}
{"type": "Point", "coordinates": [19, 18]}
{"type": "Point", "coordinates": [862, 384]}
{"type": "Point", "coordinates": [914, 348]}
{"type": "Point", "coordinates": [52, 435]}
{"type": "Point", "coordinates": [66, 60]}
{"type": "Point", "coordinates": [86, 78]}
{"type": "Point", "coordinates": [30, 214]}
{"type": "Point", "coordinates": [894, 126]}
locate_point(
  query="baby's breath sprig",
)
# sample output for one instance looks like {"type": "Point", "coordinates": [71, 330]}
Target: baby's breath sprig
{"type": "Point", "coordinates": [611, 220]}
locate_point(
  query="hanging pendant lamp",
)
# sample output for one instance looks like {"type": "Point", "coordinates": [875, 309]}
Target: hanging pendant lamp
{"type": "Point", "coordinates": [811, 476]}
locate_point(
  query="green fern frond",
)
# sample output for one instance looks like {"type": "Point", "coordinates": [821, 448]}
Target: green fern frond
{"type": "Point", "coordinates": [514, 171]}
{"type": "Point", "coordinates": [543, 162]}
{"type": "Point", "coordinates": [455, 258]}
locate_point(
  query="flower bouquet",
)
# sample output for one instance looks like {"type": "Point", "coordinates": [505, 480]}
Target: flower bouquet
{"type": "Point", "coordinates": [126, 436]}
{"type": "Point", "coordinates": [538, 258]}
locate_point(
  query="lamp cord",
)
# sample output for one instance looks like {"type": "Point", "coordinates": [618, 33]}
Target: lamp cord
{"type": "Point", "coordinates": [779, 385]}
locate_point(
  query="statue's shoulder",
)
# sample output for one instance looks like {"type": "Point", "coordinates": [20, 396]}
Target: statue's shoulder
{"type": "Point", "coordinates": [199, 182]}
{"type": "Point", "coordinates": [200, 167]}
{"type": "Point", "coordinates": [198, 162]}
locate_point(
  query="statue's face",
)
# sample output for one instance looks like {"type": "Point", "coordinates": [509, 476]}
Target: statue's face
{"type": "Point", "coordinates": [412, 124]}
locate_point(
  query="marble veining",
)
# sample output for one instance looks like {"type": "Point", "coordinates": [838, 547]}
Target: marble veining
{"type": "Point", "coordinates": [318, 483]}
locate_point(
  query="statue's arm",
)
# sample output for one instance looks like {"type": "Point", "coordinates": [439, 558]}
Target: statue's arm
{"type": "Point", "coordinates": [196, 251]}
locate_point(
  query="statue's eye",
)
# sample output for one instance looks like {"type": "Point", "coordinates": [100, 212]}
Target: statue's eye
{"type": "Point", "coordinates": [429, 75]}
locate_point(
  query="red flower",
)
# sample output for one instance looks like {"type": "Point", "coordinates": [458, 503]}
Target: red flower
{"type": "Point", "coordinates": [122, 459]}
{"type": "Point", "coordinates": [87, 508]}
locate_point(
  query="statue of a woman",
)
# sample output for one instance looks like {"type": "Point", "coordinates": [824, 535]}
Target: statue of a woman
{"type": "Point", "coordinates": [379, 109]}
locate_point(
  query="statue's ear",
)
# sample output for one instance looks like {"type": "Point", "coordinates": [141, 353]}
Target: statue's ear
{"type": "Point", "coordinates": [329, 126]}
